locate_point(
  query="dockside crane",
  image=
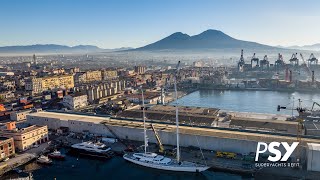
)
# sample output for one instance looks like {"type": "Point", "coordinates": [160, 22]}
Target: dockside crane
{"type": "Point", "coordinates": [312, 60]}
{"type": "Point", "coordinates": [279, 63]}
{"type": "Point", "coordinates": [294, 59]}
{"type": "Point", "coordinates": [300, 125]}
{"type": "Point", "coordinates": [304, 64]}
{"type": "Point", "coordinates": [255, 59]}
{"type": "Point", "coordinates": [314, 103]}
{"type": "Point", "coordinates": [162, 150]}
{"type": "Point", "coordinates": [241, 62]}
{"type": "Point", "coordinates": [264, 63]}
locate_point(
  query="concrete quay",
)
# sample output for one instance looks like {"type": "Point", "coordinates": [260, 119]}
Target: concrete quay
{"type": "Point", "coordinates": [21, 159]}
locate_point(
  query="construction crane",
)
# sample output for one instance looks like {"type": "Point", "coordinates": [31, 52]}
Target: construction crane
{"type": "Point", "coordinates": [312, 60]}
{"type": "Point", "coordinates": [255, 59]}
{"type": "Point", "coordinates": [162, 150]}
{"type": "Point", "coordinates": [241, 62]}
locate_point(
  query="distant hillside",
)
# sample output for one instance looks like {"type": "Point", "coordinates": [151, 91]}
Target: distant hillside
{"type": "Point", "coordinates": [48, 48]}
{"type": "Point", "coordinates": [210, 39]}
{"type": "Point", "coordinates": [54, 48]}
{"type": "Point", "coordinates": [313, 47]}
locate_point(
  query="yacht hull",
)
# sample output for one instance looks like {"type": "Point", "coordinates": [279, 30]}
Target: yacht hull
{"type": "Point", "coordinates": [170, 167]}
{"type": "Point", "coordinates": [106, 155]}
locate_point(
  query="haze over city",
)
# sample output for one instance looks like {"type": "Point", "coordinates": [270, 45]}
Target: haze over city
{"type": "Point", "coordinates": [125, 23]}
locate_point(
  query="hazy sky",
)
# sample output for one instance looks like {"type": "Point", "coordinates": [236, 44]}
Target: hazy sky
{"type": "Point", "coordinates": [134, 23]}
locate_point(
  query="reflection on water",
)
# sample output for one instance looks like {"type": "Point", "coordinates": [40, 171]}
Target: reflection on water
{"type": "Point", "coordinates": [248, 101]}
{"type": "Point", "coordinates": [31, 167]}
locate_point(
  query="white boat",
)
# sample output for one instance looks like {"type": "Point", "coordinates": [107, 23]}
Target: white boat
{"type": "Point", "coordinates": [156, 161]}
{"type": "Point", "coordinates": [93, 149]}
{"type": "Point", "coordinates": [44, 160]}
{"type": "Point", "coordinates": [153, 160]}
{"type": "Point", "coordinates": [56, 155]}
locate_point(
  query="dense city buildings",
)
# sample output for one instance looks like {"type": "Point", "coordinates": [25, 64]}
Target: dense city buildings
{"type": "Point", "coordinates": [87, 77]}
{"type": "Point", "coordinates": [140, 69]}
{"type": "Point", "coordinates": [109, 74]}
{"type": "Point", "coordinates": [38, 85]}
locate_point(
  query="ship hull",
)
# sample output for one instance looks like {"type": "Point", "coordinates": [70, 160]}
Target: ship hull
{"type": "Point", "coordinates": [169, 167]}
{"type": "Point", "coordinates": [83, 152]}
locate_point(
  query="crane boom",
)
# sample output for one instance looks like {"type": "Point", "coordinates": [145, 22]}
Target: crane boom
{"type": "Point", "coordinates": [161, 148]}
{"type": "Point", "coordinates": [305, 64]}
{"type": "Point", "coordinates": [314, 103]}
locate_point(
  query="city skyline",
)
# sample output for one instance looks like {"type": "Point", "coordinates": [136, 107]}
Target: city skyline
{"type": "Point", "coordinates": [115, 24]}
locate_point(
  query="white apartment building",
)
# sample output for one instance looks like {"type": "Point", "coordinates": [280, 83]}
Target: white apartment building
{"type": "Point", "coordinates": [75, 101]}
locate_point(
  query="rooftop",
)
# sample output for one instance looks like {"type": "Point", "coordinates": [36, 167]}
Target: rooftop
{"type": "Point", "coordinates": [187, 115]}
{"type": "Point", "coordinates": [278, 125]}
{"type": "Point", "coordinates": [66, 117]}
{"type": "Point", "coordinates": [210, 132]}
{"type": "Point", "coordinates": [22, 130]}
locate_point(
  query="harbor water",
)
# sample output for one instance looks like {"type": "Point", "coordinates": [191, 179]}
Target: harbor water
{"type": "Point", "coordinates": [249, 101]}
{"type": "Point", "coordinates": [82, 168]}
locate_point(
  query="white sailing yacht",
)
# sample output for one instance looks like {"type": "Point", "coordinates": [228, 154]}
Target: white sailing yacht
{"type": "Point", "coordinates": [153, 160]}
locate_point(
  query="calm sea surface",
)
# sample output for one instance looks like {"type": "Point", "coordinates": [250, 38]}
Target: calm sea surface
{"type": "Point", "coordinates": [80, 168]}
{"type": "Point", "coordinates": [248, 101]}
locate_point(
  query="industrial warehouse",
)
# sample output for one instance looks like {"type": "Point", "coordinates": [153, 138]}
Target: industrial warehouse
{"type": "Point", "coordinates": [237, 140]}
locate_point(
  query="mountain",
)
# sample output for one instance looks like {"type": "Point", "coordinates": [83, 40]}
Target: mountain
{"type": "Point", "coordinates": [54, 48]}
{"type": "Point", "coordinates": [48, 48]}
{"type": "Point", "coordinates": [210, 39]}
{"type": "Point", "coordinates": [313, 47]}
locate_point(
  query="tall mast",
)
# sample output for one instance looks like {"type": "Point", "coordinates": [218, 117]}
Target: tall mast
{"type": "Point", "coordinates": [144, 123]}
{"type": "Point", "coordinates": [177, 111]}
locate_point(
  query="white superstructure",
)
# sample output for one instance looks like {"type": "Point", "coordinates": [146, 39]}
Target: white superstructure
{"type": "Point", "coordinates": [91, 147]}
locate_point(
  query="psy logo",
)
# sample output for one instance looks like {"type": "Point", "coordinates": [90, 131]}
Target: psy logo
{"type": "Point", "coordinates": [273, 150]}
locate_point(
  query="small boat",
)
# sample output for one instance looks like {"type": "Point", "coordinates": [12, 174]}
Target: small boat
{"type": "Point", "coordinates": [56, 155]}
{"type": "Point", "coordinates": [44, 160]}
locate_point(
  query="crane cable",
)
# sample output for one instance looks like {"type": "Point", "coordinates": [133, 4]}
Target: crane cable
{"type": "Point", "coordinates": [198, 144]}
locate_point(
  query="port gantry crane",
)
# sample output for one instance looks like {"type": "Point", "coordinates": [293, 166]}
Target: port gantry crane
{"type": "Point", "coordinates": [264, 63]}
{"type": "Point", "coordinates": [254, 59]}
{"type": "Point", "coordinates": [241, 62]}
{"type": "Point", "coordinates": [312, 60]}
{"type": "Point", "coordinates": [279, 63]}
{"type": "Point", "coordinates": [294, 61]}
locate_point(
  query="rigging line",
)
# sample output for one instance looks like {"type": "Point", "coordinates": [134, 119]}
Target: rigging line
{"type": "Point", "coordinates": [198, 143]}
